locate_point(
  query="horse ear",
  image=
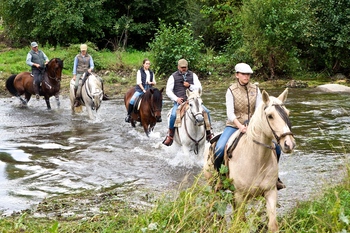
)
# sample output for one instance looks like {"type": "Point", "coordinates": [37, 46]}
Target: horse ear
{"type": "Point", "coordinates": [283, 96]}
{"type": "Point", "coordinates": [151, 90]}
{"type": "Point", "coordinates": [161, 90]}
{"type": "Point", "coordinates": [200, 91]}
{"type": "Point", "coordinates": [265, 97]}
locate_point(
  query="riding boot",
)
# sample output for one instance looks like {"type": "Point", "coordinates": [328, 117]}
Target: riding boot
{"type": "Point", "coordinates": [128, 117]}
{"type": "Point", "coordinates": [168, 141]}
{"type": "Point", "coordinates": [36, 91]}
{"type": "Point", "coordinates": [210, 135]}
{"type": "Point", "coordinates": [280, 184]}
{"type": "Point", "coordinates": [218, 162]}
{"type": "Point", "coordinates": [77, 96]}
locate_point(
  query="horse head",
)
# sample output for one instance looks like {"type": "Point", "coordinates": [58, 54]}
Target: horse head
{"type": "Point", "coordinates": [156, 103]}
{"type": "Point", "coordinates": [54, 69]}
{"type": "Point", "coordinates": [95, 90]}
{"type": "Point", "coordinates": [277, 118]}
{"type": "Point", "coordinates": [195, 105]}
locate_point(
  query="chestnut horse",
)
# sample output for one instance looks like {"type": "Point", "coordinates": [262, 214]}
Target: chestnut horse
{"type": "Point", "coordinates": [253, 168]}
{"type": "Point", "coordinates": [22, 83]}
{"type": "Point", "coordinates": [149, 112]}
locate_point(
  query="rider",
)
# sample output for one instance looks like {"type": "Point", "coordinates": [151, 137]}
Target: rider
{"type": "Point", "coordinates": [83, 62]}
{"type": "Point", "coordinates": [36, 59]}
{"type": "Point", "coordinates": [242, 98]}
{"type": "Point", "coordinates": [176, 87]}
{"type": "Point", "coordinates": [144, 80]}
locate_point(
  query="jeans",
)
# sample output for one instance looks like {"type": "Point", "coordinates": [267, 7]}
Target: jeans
{"type": "Point", "coordinates": [173, 115]}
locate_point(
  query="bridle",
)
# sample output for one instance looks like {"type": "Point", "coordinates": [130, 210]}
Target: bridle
{"type": "Point", "coordinates": [92, 95]}
{"type": "Point", "coordinates": [193, 118]}
{"type": "Point", "coordinates": [154, 106]}
{"type": "Point", "coordinates": [57, 79]}
{"type": "Point", "coordinates": [285, 118]}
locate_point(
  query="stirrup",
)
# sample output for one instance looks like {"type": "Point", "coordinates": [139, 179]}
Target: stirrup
{"type": "Point", "coordinates": [168, 141]}
{"type": "Point", "coordinates": [210, 136]}
{"type": "Point", "coordinates": [76, 103]}
{"type": "Point", "coordinates": [128, 118]}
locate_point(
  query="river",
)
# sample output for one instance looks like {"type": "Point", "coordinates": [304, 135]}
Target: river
{"type": "Point", "coordinates": [47, 153]}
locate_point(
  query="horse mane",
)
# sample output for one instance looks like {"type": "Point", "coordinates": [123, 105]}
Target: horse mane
{"type": "Point", "coordinates": [157, 97]}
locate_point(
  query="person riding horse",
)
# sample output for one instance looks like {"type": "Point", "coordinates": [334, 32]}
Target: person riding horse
{"type": "Point", "coordinates": [144, 80]}
{"type": "Point", "coordinates": [37, 60]}
{"type": "Point", "coordinates": [242, 99]}
{"type": "Point", "coordinates": [176, 87]}
{"type": "Point", "coordinates": [83, 62]}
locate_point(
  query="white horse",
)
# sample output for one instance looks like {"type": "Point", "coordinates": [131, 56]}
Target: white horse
{"type": "Point", "coordinates": [252, 164]}
{"type": "Point", "coordinates": [91, 94]}
{"type": "Point", "coordinates": [190, 134]}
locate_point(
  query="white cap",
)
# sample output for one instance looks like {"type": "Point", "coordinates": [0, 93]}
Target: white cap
{"type": "Point", "coordinates": [34, 44]}
{"type": "Point", "coordinates": [83, 47]}
{"type": "Point", "coordinates": [243, 68]}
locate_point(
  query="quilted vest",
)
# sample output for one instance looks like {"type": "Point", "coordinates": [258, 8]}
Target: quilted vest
{"type": "Point", "coordinates": [244, 101]}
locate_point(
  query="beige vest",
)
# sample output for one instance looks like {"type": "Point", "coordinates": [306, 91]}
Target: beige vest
{"type": "Point", "coordinates": [244, 102]}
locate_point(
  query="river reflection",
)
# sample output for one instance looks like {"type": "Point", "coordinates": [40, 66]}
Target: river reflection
{"type": "Point", "coordinates": [45, 153]}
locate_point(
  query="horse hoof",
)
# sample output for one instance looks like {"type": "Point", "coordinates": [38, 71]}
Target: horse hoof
{"type": "Point", "coordinates": [37, 97]}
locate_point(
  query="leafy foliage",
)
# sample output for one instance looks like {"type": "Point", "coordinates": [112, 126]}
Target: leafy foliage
{"type": "Point", "coordinates": [172, 43]}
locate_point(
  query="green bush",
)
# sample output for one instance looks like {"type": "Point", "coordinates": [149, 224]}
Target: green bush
{"type": "Point", "coordinates": [172, 43]}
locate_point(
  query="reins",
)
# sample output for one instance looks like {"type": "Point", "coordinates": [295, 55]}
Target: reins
{"type": "Point", "coordinates": [196, 142]}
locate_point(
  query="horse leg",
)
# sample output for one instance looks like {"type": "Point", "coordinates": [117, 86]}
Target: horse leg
{"type": "Point", "coordinates": [57, 97]}
{"type": "Point", "coordinates": [47, 100]}
{"type": "Point", "coordinates": [27, 96]}
{"type": "Point", "coordinates": [145, 128]}
{"type": "Point", "coordinates": [271, 202]}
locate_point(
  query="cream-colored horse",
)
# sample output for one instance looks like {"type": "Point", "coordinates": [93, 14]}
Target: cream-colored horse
{"type": "Point", "coordinates": [253, 164]}
{"type": "Point", "coordinates": [91, 95]}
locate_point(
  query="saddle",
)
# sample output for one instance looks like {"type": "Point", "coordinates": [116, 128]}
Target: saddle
{"type": "Point", "coordinates": [137, 104]}
{"type": "Point", "coordinates": [181, 111]}
{"type": "Point", "coordinates": [230, 146]}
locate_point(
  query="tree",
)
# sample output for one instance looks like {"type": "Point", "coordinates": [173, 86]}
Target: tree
{"type": "Point", "coordinates": [272, 30]}
{"type": "Point", "coordinates": [328, 35]}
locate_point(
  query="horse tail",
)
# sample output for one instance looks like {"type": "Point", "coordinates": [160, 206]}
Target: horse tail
{"type": "Point", "coordinates": [10, 85]}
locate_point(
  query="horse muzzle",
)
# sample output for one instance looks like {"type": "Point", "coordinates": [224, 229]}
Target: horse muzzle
{"type": "Point", "coordinates": [288, 144]}
{"type": "Point", "coordinates": [158, 118]}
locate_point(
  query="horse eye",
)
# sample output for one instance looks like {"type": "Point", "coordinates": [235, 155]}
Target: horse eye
{"type": "Point", "coordinates": [270, 116]}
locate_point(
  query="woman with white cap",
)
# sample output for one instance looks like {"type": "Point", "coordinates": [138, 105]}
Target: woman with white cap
{"type": "Point", "coordinates": [242, 98]}
{"type": "Point", "coordinates": [83, 62]}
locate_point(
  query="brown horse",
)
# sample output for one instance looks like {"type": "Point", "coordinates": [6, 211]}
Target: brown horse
{"type": "Point", "coordinates": [149, 112]}
{"type": "Point", "coordinates": [22, 83]}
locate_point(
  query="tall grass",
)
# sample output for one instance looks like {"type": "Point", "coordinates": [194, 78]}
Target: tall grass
{"type": "Point", "coordinates": [199, 209]}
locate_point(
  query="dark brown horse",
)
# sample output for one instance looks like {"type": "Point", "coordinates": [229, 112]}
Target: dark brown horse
{"type": "Point", "coordinates": [22, 83]}
{"type": "Point", "coordinates": [149, 112]}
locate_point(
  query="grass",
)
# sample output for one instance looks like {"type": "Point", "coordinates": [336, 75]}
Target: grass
{"type": "Point", "coordinates": [194, 209]}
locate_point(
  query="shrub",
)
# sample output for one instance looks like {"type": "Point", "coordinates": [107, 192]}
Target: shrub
{"type": "Point", "coordinates": [172, 43]}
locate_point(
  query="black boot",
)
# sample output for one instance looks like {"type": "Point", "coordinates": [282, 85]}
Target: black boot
{"type": "Point", "coordinates": [218, 162]}
{"type": "Point", "coordinates": [128, 117]}
{"type": "Point", "coordinates": [36, 90]}
{"type": "Point", "coordinates": [77, 98]}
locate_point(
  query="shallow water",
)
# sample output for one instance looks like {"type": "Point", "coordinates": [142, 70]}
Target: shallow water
{"type": "Point", "coordinates": [46, 153]}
